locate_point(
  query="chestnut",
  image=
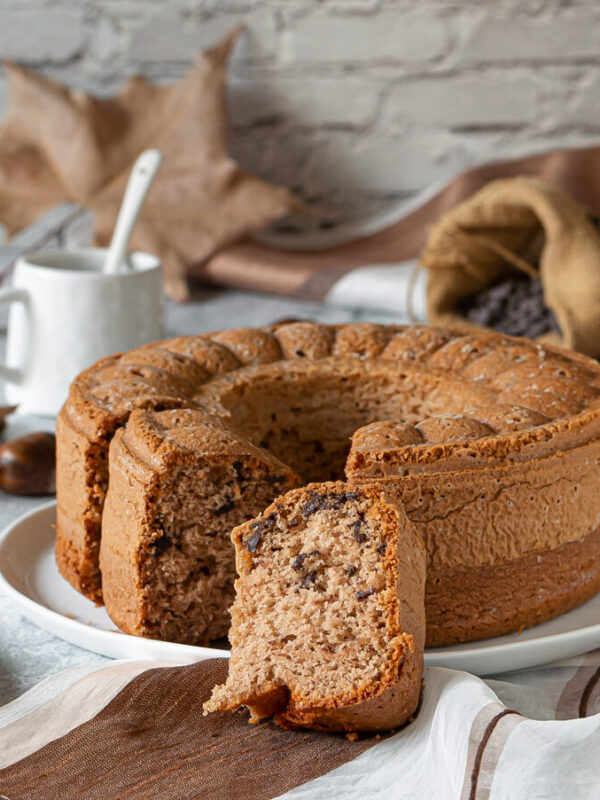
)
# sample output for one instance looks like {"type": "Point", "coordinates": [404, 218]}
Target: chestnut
{"type": "Point", "coordinates": [27, 464]}
{"type": "Point", "coordinates": [4, 412]}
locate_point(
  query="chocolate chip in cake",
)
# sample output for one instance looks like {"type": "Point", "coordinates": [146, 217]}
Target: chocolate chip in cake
{"type": "Point", "coordinates": [263, 524]}
{"type": "Point", "coordinates": [332, 502]}
{"type": "Point", "coordinates": [274, 479]}
{"type": "Point", "coordinates": [356, 534]}
{"type": "Point", "coordinates": [238, 468]}
{"type": "Point", "coordinates": [314, 504]}
{"type": "Point", "coordinates": [301, 558]}
{"type": "Point", "coordinates": [361, 595]}
{"type": "Point", "coordinates": [381, 548]}
{"type": "Point", "coordinates": [335, 502]}
{"type": "Point", "coordinates": [299, 561]}
{"type": "Point", "coordinates": [159, 545]}
{"type": "Point", "coordinates": [227, 506]}
{"type": "Point", "coordinates": [352, 570]}
{"type": "Point", "coordinates": [252, 542]}
{"type": "Point", "coordinates": [259, 527]}
{"type": "Point", "coordinates": [308, 580]}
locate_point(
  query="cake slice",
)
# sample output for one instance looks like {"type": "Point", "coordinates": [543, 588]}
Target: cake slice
{"type": "Point", "coordinates": [179, 482]}
{"type": "Point", "coordinates": [328, 621]}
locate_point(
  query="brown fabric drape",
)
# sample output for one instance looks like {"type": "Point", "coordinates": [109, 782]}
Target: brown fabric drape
{"type": "Point", "coordinates": [311, 274]}
{"type": "Point", "coordinates": [152, 741]}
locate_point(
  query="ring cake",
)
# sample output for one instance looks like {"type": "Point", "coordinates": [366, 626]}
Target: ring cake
{"type": "Point", "coordinates": [490, 442]}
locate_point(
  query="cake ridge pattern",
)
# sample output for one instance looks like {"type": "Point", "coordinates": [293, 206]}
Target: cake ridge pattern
{"type": "Point", "coordinates": [483, 413]}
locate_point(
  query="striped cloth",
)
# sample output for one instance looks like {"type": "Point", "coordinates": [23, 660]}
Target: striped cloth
{"type": "Point", "coordinates": [135, 730]}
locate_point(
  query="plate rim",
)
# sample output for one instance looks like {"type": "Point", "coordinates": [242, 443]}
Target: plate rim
{"type": "Point", "coordinates": [26, 603]}
{"type": "Point", "coordinates": [432, 655]}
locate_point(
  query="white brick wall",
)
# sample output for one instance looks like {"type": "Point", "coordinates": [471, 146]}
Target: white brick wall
{"type": "Point", "coordinates": [493, 99]}
{"type": "Point", "coordinates": [45, 37]}
{"type": "Point", "coordinates": [387, 36]}
{"type": "Point", "coordinates": [353, 103]}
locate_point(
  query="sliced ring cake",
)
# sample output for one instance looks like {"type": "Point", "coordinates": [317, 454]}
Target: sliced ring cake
{"type": "Point", "coordinates": [328, 623]}
{"type": "Point", "coordinates": [179, 482]}
{"type": "Point", "coordinates": [491, 442]}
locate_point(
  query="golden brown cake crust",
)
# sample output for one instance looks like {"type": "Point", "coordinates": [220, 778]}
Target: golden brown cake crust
{"type": "Point", "coordinates": [480, 602]}
{"type": "Point", "coordinates": [465, 426]}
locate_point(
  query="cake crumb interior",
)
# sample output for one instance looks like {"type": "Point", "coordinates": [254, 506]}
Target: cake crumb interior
{"type": "Point", "coordinates": [188, 564]}
{"type": "Point", "coordinates": [312, 611]}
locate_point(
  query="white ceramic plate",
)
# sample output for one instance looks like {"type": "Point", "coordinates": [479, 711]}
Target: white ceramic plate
{"type": "Point", "coordinates": [28, 574]}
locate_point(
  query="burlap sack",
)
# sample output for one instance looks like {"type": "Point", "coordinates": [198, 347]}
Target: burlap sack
{"type": "Point", "coordinates": [522, 224]}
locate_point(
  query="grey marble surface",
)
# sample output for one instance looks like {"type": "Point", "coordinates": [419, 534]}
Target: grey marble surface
{"type": "Point", "coordinates": [27, 653]}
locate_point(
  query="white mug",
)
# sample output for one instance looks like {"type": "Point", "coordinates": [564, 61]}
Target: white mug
{"type": "Point", "coordinates": [66, 313]}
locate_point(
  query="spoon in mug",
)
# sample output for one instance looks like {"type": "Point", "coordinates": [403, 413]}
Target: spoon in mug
{"type": "Point", "coordinates": [140, 180]}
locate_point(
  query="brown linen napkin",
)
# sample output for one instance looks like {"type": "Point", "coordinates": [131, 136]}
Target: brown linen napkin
{"type": "Point", "coordinates": [135, 730]}
{"type": "Point", "coordinates": [152, 741]}
{"type": "Point", "coordinates": [512, 225]}
{"type": "Point", "coordinates": [311, 274]}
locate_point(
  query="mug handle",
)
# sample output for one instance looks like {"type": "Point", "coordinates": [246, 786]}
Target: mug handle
{"type": "Point", "coordinates": [13, 295]}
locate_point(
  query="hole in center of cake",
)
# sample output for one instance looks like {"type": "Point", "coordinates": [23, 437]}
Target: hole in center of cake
{"type": "Point", "coordinates": [306, 414]}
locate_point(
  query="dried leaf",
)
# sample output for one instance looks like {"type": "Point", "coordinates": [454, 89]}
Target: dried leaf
{"type": "Point", "coordinates": [59, 144]}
